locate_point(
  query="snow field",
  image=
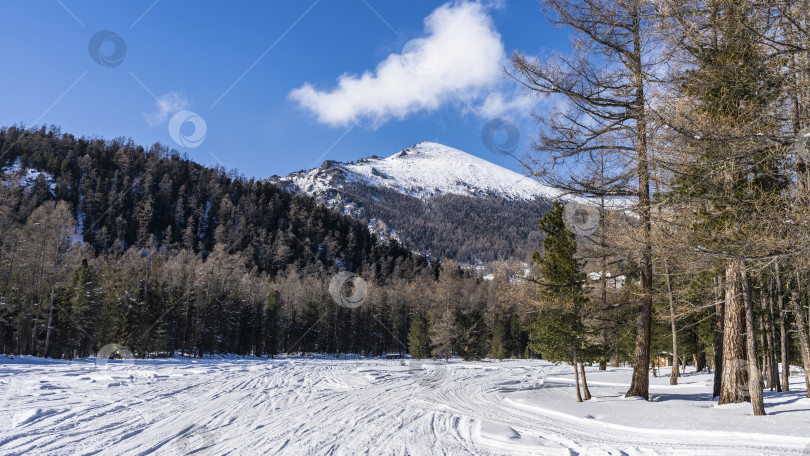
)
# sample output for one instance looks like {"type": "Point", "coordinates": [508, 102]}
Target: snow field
{"type": "Point", "coordinates": [322, 405]}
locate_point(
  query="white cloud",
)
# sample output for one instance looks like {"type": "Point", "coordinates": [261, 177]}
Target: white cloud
{"type": "Point", "coordinates": [501, 104]}
{"type": "Point", "coordinates": [460, 56]}
{"type": "Point", "coordinates": [166, 105]}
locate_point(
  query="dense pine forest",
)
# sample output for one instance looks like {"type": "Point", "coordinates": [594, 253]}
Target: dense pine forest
{"type": "Point", "coordinates": [114, 243]}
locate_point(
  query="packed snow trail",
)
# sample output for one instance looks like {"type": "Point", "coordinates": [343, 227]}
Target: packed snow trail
{"type": "Point", "coordinates": [301, 406]}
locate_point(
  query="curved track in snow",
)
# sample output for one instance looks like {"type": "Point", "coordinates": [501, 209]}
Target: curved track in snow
{"type": "Point", "coordinates": [316, 406]}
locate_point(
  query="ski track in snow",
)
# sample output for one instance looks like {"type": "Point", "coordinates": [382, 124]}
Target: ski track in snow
{"type": "Point", "coordinates": [300, 406]}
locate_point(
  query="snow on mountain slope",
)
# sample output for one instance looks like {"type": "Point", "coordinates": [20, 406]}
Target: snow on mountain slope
{"type": "Point", "coordinates": [422, 170]}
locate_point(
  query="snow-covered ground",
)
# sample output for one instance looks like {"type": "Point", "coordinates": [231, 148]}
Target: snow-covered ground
{"type": "Point", "coordinates": [301, 406]}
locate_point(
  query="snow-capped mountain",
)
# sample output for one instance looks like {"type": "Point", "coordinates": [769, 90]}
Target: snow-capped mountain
{"type": "Point", "coordinates": [434, 199]}
{"type": "Point", "coordinates": [423, 170]}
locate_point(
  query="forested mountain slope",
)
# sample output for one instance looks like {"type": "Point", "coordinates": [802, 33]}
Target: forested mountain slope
{"type": "Point", "coordinates": [435, 199]}
{"type": "Point", "coordinates": [110, 243]}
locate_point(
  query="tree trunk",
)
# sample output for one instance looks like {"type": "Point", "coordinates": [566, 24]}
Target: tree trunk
{"type": "Point", "coordinates": [700, 356]}
{"type": "Point", "coordinates": [50, 320]}
{"type": "Point", "coordinates": [804, 343]}
{"type": "Point", "coordinates": [614, 358]}
{"type": "Point", "coordinates": [673, 378]}
{"type": "Point", "coordinates": [603, 359]}
{"type": "Point", "coordinates": [771, 339]}
{"type": "Point", "coordinates": [585, 390]}
{"type": "Point", "coordinates": [719, 316]}
{"type": "Point", "coordinates": [754, 376]}
{"type": "Point", "coordinates": [783, 334]}
{"type": "Point", "coordinates": [733, 387]}
{"type": "Point", "coordinates": [603, 289]}
{"type": "Point", "coordinates": [640, 384]}
{"type": "Point", "coordinates": [765, 367]}
{"type": "Point", "coordinates": [576, 376]}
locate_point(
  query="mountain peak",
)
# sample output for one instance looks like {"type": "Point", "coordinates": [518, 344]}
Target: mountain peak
{"type": "Point", "coordinates": [436, 151]}
{"type": "Point", "coordinates": [399, 197]}
{"type": "Point", "coordinates": [426, 169]}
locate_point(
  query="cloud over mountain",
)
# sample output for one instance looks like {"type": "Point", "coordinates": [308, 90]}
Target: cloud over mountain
{"type": "Point", "coordinates": [461, 54]}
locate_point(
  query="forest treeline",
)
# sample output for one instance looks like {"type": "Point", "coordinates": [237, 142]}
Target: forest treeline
{"type": "Point", "coordinates": [113, 243]}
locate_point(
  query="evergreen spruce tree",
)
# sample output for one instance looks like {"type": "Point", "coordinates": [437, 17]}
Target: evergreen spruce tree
{"type": "Point", "coordinates": [78, 311]}
{"type": "Point", "coordinates": [443, 334]}
{"type": "Point", "coordinates": [558, 331]}
{"type": "Point", "coordinates": [472, 342]}
{"type": "Point", "coordinates": [419, 338]}
{"type": "Point", "coordinates": [498, 349]}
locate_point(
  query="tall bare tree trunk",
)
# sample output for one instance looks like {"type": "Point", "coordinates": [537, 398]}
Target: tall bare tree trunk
{"type": "Point", "coordinates": [771, 337]}
{"type": "Point", "coordinates": [603, 361]}
{"type": "Point", "coordinates": [804, 342]}
{"type": "Point", "coordinates": [640, 385]}
{"type": "Point", "coordinates": [50, 321]}
{"type": "Point", "coordinates": [720, 315]}
{"type": "Point", "coordinates": [603, 282]}
{"type": "Point", "coordinates": [783, 334]}
{"type": "Point", "coordinates": [754, 377]}
{"type": "Point", "coordinates": [700, 355]}
{"type": "Point", "coordinates": [614, 358]}
{"type": "Point", "coordinates": [763, 360]}
{"type": "Point", "coordinates": [586, 392]}
{"type": "Point", "coordinates": [733, 387]}
{"type": "Point", "coordinates": [767, 358]}
{"type": "Point", "coordinates": [673, 378]}
{"type": "Point", "coordinates": [576, 375]}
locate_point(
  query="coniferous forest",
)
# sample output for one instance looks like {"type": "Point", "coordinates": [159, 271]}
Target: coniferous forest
{"type": "Point", "coordinates": [114, 243]}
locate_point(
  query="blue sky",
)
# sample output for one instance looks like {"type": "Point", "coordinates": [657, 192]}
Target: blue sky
{"type": "Point", "coordinates": [275, 86]}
